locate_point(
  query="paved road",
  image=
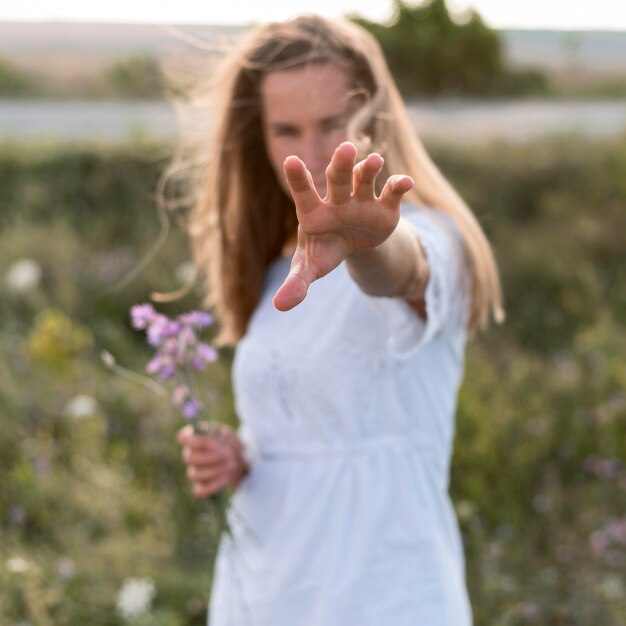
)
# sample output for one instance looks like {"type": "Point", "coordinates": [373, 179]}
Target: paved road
{"type": "Point", "coordinates": [467, 121]}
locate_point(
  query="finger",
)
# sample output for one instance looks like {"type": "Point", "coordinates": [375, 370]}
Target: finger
{"type": "Point", "coordinates": [199, 461]}
{"type": "Point", "coordinates": [300, 184]}
{"type": "Point", "coordinates": [206, 473]}
{"type": "Point", "coordinates": [224, 434]}
{"type": "Point", "coordinates": [339, 173]}
{"type": "Point", "coordinates": [394, 190]}
{"type": "Point", "coordinates": [202, 457]}
{"type": "Point", "coordinates": [365, 173]}
{"type": "Point", "coordinates": [204, 442]}
{"type": "Point", "coordinates": [184, 433]}
{"type": "Point", "coordinates": [208, 489]}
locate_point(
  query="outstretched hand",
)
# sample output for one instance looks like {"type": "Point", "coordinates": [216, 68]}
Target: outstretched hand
{"type": "Point", "coordinates": [349, 220]}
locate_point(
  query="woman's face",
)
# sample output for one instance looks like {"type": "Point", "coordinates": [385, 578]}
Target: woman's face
{"type": "Point", "coordinates": [305, 112]}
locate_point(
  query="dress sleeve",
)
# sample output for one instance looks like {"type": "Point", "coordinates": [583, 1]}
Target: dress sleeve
{"type": "Point", "coordinates": [445, 296]}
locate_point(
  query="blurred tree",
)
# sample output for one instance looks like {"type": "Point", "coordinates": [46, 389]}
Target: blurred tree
{"type": "Point", "coordinates": [12, 81]}
{"type": "Point", "coordinates": [431, 52]}
{"type": "Point", "coordinates": [138, 76]}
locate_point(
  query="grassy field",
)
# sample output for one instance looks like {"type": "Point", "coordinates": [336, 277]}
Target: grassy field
{"type": "Point", "coordinates": [93, 491]}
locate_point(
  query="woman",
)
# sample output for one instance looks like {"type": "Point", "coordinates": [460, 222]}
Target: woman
{"type": "Point", "coordinates": [349, 294]}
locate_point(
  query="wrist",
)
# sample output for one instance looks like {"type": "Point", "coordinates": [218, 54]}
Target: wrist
{"type": "Point", "coordinates": [242, 466]}
{"type": "Point", "coordinates": [242, 471]}
{"type": "Point", "coordinates": [396, 268]}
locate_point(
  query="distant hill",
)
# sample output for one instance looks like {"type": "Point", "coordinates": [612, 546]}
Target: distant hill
{"type": "Point", "coordinates": [80, 48]}
{"type": "Point", "coordinates": [77, 49]}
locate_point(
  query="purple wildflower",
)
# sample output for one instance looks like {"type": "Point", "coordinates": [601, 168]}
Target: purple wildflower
{"type": "Point", "coordinates": [171, 329]}
{"type": "Point", "coordinates": [196, 319]}
{"type": "Point", "coordinates": [156, 364]}
{"type": "Point", "coordinates": [156, 330]}
{"type": "Point", "coordinates": [204, 354]}
{"type": "Point", "coordinates": [178, 351]}
{"type": "Point", "coordinates": [191, 408]}
{"type": "Point", "coordinates": [161, 365]}
{"type": "Point", "coordinates": [170, 348]}
{"type": "Point", "coordinates": [180, 394]}
{"type": "Point", "coordinates": [186, 340]}
{"type": "Point", "coordinates": [142, 315]}
{"type": "Point", "coordinates": [167, 371]}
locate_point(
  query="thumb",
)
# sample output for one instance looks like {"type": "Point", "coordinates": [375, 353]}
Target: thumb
{"type": "Point", "coordinates": [184, 433]}
{"type": "Point", "coordinates": [294, 288]}
{"type": "Point", "coordinates": [291, 293]}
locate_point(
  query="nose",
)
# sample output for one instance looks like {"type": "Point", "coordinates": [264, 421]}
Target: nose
{"type": "Point", "coordinates": [312, 153]}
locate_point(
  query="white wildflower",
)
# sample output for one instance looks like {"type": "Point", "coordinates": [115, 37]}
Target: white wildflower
{"type": "Point", "coordinates": [17, 565]}
{"type": "Point", "coordinates": [612, 587]}
{"type": "Point", "coordinates": [81, 406]}
{"type": "Point", "coordinates": [23, 275]}
{"type": "Point", "coordinates": [135, 597]}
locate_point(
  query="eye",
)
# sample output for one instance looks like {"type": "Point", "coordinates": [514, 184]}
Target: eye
{"type": "Point", "coordinates": [284, 131]}
{"type": "Point", "coordinates": [334, 125]}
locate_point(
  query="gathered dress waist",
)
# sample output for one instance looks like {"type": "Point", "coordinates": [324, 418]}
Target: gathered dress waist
{"type": "Point", "coordinates": [315, 449]}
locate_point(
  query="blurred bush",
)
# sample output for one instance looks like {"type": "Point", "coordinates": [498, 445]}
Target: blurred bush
{"type": "Point", "coordinates": [94, 500]}
{"type": "Point", "coordinates": [136, 76]}
{"type": "Point", "coordinates": [13, 82]}
{"type": "Point", "coordinates": [139, 76]}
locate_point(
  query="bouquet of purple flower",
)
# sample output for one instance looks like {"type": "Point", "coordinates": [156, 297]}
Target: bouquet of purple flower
{"type": "Point", "coordinates": [179, 352]}
{"type": "Point", "coordinates": [179, 356]}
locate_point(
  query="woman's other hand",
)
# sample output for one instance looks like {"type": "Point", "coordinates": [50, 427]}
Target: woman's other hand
{"type": "Point", "coordinates": [213, 461]}
{"type": "Point", "coordinates": [348, 220]}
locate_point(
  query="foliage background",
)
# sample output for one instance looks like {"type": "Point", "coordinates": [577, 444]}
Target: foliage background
{"type": "Point", "coordinates": [538, 473]}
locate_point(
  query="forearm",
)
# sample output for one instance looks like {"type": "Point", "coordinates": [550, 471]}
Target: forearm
{"type": "Point", "coordinates": [398, 267]}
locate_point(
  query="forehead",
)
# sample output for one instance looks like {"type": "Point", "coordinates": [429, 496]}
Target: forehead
{"type": "Point", "coordinates": [311, 91]}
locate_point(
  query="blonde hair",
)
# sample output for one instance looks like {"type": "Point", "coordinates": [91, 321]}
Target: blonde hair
{"type": "Point", "coordinates": [241, 217]}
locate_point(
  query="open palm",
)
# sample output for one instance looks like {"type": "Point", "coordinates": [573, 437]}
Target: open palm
{"type": "Point", "coordinates": [349, 220]}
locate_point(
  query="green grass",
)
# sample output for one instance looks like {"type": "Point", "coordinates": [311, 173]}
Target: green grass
{"type": "Point", "coordinates": [91, 502]}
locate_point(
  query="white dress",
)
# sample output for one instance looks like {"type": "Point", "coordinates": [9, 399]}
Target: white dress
{"type": "Point", "coordinates": [347, 407]}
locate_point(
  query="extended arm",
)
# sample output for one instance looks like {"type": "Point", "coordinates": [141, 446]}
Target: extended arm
{"type": "Point", "coordinates": [397, 267]}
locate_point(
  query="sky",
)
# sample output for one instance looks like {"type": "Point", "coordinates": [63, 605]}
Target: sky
{"type": "Point", "coordinates": [559, 14]}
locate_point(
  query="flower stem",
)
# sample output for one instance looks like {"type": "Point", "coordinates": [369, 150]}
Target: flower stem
{"type": "Point", "coordinates": [219, 501]}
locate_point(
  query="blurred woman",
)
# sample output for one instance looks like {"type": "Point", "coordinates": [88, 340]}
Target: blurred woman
{"type": "Point", "coordinates": [348, 273]}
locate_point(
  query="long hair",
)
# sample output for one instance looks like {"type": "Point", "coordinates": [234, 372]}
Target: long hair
{"type": "Point", "coordinates": [241, 217]}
